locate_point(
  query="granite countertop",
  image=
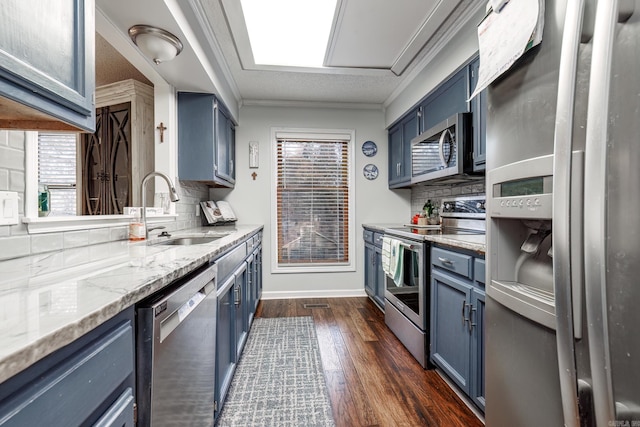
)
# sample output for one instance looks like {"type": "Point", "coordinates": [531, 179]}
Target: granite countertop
{"type": "Point", "coordinates": [49, 300]}
{"type": "Point", "coordinates": [473, 242]}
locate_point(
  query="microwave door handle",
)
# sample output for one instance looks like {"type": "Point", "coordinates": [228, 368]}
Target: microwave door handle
{"type": "Point", "coordinates": [443, 135]}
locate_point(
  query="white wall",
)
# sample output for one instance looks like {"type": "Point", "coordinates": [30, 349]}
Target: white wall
{"type": "Point", "coordinates": [374, 202]}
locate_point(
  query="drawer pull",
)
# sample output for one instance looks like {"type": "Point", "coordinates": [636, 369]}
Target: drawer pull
{"type": "Point", "coordinates": [445, 261]}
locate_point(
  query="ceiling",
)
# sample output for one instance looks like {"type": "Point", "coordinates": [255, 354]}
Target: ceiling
{"type": "Point", "coordinates": [112, 67]}
{"type": "Point", "coordinates": [375, 48]}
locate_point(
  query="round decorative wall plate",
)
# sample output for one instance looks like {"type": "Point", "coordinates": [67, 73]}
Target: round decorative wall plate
{"type": "Point", "coordinates": [369, 148]}
{"type": "Point", "coordinates": [370, 171]}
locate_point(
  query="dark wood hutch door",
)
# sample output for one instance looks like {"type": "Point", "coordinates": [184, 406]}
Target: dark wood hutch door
{"type": "Point", "coordinates": [106, 154]}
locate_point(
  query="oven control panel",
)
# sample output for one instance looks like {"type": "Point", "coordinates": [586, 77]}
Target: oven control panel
{"type": "Point", "coordinates": [464, 207]}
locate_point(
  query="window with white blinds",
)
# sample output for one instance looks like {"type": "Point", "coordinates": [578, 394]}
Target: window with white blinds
{"type": "Point", "coordinates": [57, 170]}
{"type": "Point", "coordinates": [313, 199]}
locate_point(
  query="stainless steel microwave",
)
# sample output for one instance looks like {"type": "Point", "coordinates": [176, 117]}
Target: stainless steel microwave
{"type": "Point", "coordinates": [444, 152]}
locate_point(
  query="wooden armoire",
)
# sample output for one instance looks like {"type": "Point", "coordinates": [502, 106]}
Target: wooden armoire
{"type": "Point", "coordinates": [120, 153]}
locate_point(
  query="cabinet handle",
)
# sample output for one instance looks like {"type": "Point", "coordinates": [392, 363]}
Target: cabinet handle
{"type": "Point", "coordinates": [445, 261]}
{"type": "Point", "coordinates": [471, 323]}
{"type": "Point", "coordinates": [236, 291]}
{"type": "Point", "coordinates": [464, 318]}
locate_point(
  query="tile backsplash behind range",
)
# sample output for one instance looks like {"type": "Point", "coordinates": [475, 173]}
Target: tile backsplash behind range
{"type": "Point", "coordinates": [420, 194]}
{"type": "Point", "coordinates": [15, 240]}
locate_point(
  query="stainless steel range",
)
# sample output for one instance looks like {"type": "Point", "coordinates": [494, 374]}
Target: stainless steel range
{"type": "Point", "coordinates": [407, 294]}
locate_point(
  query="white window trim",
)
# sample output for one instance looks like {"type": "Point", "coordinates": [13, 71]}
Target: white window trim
{"type": "Point", "coordinates": [312, 134]}
{"type": "Point", "coordinates": [36, 224]}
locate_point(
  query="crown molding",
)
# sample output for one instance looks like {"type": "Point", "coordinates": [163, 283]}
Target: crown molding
{"type": "Point", "coordinates": [311, 104]}
{"type": "Point", "coordinates": [205, 25]}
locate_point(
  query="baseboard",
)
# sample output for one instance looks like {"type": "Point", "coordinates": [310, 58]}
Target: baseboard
{"type": "Point", "coordinates": [324, 293]}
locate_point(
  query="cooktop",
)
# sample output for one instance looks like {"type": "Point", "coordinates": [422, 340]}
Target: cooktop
{"type": "Point", "coordinates": [435, 231]}
{"type": "Point", "coordinates": [459, 216]}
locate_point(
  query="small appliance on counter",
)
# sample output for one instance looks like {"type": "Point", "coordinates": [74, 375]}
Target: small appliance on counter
{"type": "Point", "coordinates": [408, 284]}
{"type": "Point", "coordinates": [217, 213]}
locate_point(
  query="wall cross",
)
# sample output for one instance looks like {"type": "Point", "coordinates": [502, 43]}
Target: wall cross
{"type": "Point", "coordinates": [161, 128]}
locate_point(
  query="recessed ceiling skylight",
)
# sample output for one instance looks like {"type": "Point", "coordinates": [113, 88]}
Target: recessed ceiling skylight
{"type": "Point", "coordinates": [289, 32]}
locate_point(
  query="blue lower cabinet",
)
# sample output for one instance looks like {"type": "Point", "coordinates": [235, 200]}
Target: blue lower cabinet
{"type": "Point", "coordinates": [369, 270]}
{"type": "Point", "coordinates": [374, 277]}
{"type": "Point", "coordinates": [225, 341]}
{"type": "Point", "coordinates": [238, 295]}
{"type": "Point", "coordinates": [121, 413]}
{"type": "Point", "coordinates": [450, 343]}
{"type": "Point", "coordinates": [477, 349]}
{"type": "Point", "coordinates": [252, 291]}
{"type": "Point", "coordinates": [380, 279]}
{"type": "Point", "coordinates": [457, 319]}
{"type": "Point", "coordinates": [89, 382]}
{"type": "Point", "coordinates": [241, 307]}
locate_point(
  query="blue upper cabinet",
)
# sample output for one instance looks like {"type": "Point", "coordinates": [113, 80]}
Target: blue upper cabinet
{"type": "Point", "coordinates": [479, 121]}
{"type": "Point", "coordinates": [206, 140]}
{"type": "Point", "coordinates": [400, 136]}
{"type": "Point", "coordinates": [448, 99]}
{"type": "Point", "coordinates": [47, 64]}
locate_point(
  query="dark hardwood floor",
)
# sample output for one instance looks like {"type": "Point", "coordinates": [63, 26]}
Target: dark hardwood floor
{"type": "Point", "coordinates": [372, 378]}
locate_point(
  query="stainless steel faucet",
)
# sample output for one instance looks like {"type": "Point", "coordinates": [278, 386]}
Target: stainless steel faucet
{"type": "Point", "coordinates": [173, 195]}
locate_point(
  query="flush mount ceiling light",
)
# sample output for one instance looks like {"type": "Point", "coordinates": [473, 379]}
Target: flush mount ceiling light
{"type": "Point", "coordinates": [156, 43]}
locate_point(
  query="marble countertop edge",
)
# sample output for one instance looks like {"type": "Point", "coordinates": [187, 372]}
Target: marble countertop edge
{"type": "Point", "coordinates": [472, 242]}
{"type": "Point", "coordinates": [150, 268]}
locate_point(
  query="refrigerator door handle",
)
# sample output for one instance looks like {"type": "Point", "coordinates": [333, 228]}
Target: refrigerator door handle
{"type": "Point", "coordinates": [562, 230]}
{"type": "Point", "coordinates": [607, 16]}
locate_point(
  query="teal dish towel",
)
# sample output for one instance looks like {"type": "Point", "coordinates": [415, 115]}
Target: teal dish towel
{"type": "Point", "coordinates": [396, 264]}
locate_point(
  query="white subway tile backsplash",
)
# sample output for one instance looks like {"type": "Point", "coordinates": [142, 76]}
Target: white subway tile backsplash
{"type": "Point", "coordinates": [4, 179]}
{"type": "Point", "coordinates": [99, 235]}
{"type": "Point", "coordinates": [15, 240]}
{"type": "Point", "coordinates": [419, 195]}
{"type": "Point", "coordinates": [16, 139]}
{"type": "Point", "coordinates": [46, 242]}
{"type": "Point", "coordinates": [73, 239]}
{"type": "Point", "coordinates": [118, 233]}
{"type": "Point", "coordinates": [13, 247]}
{"type": "Point", "coordinates": [16, 181]}
{"type": "Point", "coordinates": [18, 230]}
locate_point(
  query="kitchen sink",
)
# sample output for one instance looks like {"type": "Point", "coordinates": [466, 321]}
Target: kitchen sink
{"type": "Point", "coordinates": [186, 241]}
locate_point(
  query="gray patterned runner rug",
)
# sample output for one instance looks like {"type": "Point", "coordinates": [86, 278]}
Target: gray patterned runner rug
{"type": "Point", "coordinates": [279, 380]}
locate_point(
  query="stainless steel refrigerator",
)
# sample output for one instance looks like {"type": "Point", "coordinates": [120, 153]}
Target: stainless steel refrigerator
{"type": "Point", "coordinates": [563, 232]}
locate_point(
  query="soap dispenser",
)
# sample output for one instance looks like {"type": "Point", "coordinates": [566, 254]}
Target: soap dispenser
{"type": "Point", "coordinates": [136, 227]}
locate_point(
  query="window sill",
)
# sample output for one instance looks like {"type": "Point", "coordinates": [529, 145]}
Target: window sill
{"type": "Point", "coordinates": [37, 225]}
{"type": "Point", "coordinates": [313, 268]}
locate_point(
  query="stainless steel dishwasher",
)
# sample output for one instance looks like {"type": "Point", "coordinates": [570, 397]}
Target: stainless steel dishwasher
{"type": "Point", "coordinates": [176, 339]}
